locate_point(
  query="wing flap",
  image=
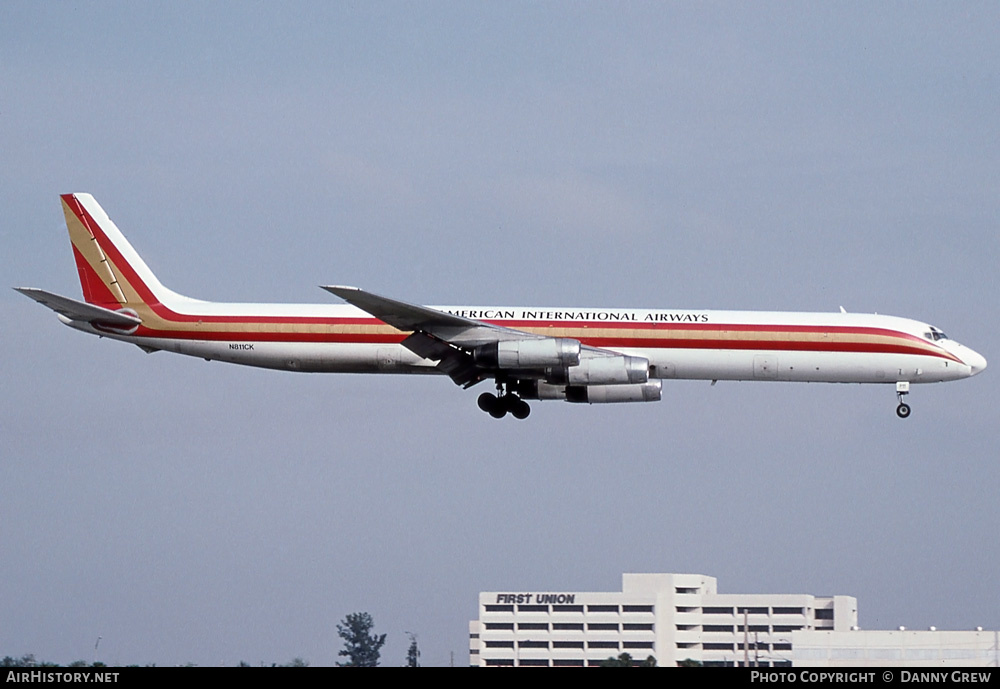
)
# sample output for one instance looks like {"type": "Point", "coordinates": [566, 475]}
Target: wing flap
{"type": "Point", "coordinates": [457, 363]}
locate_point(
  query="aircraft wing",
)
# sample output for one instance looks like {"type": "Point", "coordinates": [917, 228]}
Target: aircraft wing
{"type": "Point", "coordinates": [80, 311]}
{"type": "Point", "coordinates": [451, 340]}
{"type": "Point", "coordinates": [456, 330]}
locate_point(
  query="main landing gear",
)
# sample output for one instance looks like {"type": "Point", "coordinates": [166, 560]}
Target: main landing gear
{"type": "Point", "coordinates": [499, 404]}
{"type": "Point", "coordinates": [902, 388]}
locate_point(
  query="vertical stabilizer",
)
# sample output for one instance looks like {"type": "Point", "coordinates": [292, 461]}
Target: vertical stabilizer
{"type": "Point", "coordinates": [112, 274]}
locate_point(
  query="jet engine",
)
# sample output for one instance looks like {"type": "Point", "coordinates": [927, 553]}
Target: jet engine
{"type": "Point", "coordinates": [549, 352]}
{"type": "Point", "coordinates": [590, 394]}
{"type": "Point", "coordinates": [602, 370]}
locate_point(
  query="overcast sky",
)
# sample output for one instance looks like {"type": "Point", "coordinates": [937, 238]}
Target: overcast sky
{"type": "Point", "coordinates": [767, 155]}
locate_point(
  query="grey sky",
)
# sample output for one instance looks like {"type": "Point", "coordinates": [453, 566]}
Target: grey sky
{"type": "Point", "coordinates": [765, 156]}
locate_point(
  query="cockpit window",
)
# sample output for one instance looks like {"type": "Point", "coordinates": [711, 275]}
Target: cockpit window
{"type": "Point", "coordinates": [935, 335]}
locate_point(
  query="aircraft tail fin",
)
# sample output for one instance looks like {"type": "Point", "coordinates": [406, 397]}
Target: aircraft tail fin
{"type": "Point", "coordinates": [112, 274]}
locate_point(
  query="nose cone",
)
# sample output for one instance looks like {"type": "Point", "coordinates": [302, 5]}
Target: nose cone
{"type": "Point", "coordinates": [975, 361]}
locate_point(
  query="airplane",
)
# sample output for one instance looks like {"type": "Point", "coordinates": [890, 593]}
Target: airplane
{"type": "Point", "coordinates": [582, 355]}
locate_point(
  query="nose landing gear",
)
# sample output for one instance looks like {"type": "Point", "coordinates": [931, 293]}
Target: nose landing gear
{"type": "Point", "coordinates": [499, 404]}
{"type": "Point", "coordinates": [902, 388]}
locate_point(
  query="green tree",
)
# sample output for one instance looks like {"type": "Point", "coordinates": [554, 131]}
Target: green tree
{"type": "Point", "coordinates": [361, 647]}
{"type": "Point", "coordinates": [413, 653]}
{"type": "Point", "coordinates": [625, 660]}
{"type": "Point", "coordinates": [24, 661]}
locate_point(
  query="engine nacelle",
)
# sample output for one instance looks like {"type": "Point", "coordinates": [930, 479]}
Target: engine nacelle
{"type": "Point", "coordinates": [609, 394]}
{"type": "Point", "coordinates": [590, 394]}
{"type": "Point", "coordinates": [550, 352]}
{"type": "Point", "coordinates": [602, 370]}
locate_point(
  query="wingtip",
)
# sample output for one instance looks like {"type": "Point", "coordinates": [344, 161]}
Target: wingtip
{"type": "Point", "coordinates": [336, 289]}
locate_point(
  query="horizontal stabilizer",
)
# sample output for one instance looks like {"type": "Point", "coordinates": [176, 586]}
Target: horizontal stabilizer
{"type": "Point", "coordinates": [80, 311]}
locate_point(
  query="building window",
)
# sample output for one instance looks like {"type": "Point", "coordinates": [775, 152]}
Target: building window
{"type": "Point", "coordinates": [573, 626]}
{"type": "Point", "coordinates": [567, 608]}
{"type": "Point", "coordinates": [637, 608]}
{"type": "Point", "coordinates": [717, 647]}
{"type": "Point", "coordinates": [602, 608]}
{"type": "Point", "coordinates": [826, 614]}
{"type": "Point", "coordinates": [567, 644]}
{"type": "Point", "coordinates": [751, 611]}
{"type": "Point", "coordinates": [499, 608]}
{"type": "Point", "coordinates": [532, 608]}
{"type": "Point", "coordinates": [567, 663]}
{"type": "Point", "coordinates": [728, 628]}
{"type": "Point", "coordinates": [500, 625]}
{"type": "Point", "coordinates": [717, 611]}
{"type": "Point", "coordinates": [602, 644]}
{"type": "Point", "coordinates": [638, 644]}
{"type": "Point", "coordinates": [787, 627]}
{"type": "Point", "coordinates": [633, 627]}
{"type": "Point", "coordinates": [534, 662]}
{"type": "Point", "coordinates": [500, 662]}
{"type": "Point", "coordinates": [533, 626]}
{"type": "Point", "coordinates": [499, 644]}
{"type": "Point", "coordinates": [787, 611]}
{"type": "Point", "coordinates": [532, 644]}
{"type": "Point", "coordinates": [603, 626]}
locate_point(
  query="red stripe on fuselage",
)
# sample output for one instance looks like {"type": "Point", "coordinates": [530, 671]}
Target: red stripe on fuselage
{"type": "Point", "coordinates": [602, 342]}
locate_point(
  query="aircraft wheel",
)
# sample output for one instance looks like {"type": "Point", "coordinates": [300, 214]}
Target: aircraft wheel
{"type": "Point", "coordinates": [499, 411]}
{"type": "Point", "coordinates": [521, 409]}
{"type": "Point", "coordinates": [903, 410]}
{"type": "Point", "coordinates": [487, 402]}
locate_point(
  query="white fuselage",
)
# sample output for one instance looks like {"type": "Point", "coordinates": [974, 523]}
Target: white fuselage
{"type": "Point", "coordinates": [682, 344]}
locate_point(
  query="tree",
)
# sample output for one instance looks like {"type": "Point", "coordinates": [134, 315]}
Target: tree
{"type": "Point", "coordinates": [24, 661]}
{"type": "Point", "coordinates": [625, 660]}
{"type": "Point", "coordinates": [360, 647]}
{"type": "Point", "coordinates": [413, 653]}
